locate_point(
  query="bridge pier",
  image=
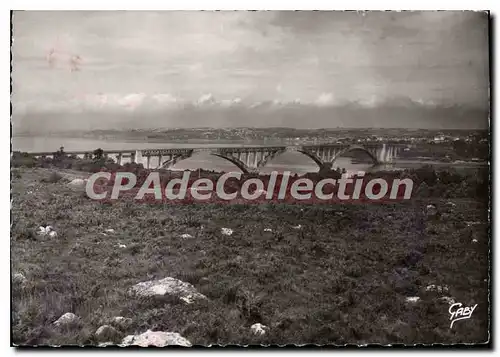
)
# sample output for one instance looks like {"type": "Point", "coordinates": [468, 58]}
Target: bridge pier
{"type": "Point", "coordinates": [255, 158]}
{"type": "Point", "coordinates": [326, 167]}
{"type": "Point", "coordinates": [138, 157]}
{"type": "Point", "coordinates": [247, 158]}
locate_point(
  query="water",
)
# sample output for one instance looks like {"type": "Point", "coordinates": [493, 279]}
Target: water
{"type": "Point", "coordinates": [288, 161]}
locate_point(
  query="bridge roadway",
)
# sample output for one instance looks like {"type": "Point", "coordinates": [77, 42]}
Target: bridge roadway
{"type": "Point", "coordinates": [246, 158]}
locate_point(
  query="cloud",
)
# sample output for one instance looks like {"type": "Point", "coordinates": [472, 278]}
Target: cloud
{"type": "Point", "coordinates": [165, 102]}
{"type": "Point", "coordinates": [152, 61]}
{"type": "Point", "coordinates": [325, 99]}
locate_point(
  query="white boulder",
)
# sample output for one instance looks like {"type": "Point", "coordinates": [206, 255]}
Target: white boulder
{"type": "Point", "coordinates": [78, 182]}
{"type": "Point", "coordinates": [19, 279]}
{"type": "Point", "coordinates": [157, 339]}
{"type": "Point", "coordinates": [47, 230]}
{"type": "Point", "coordinates": [259, 329]}
{"type": "Point", "coordinates": [431, 210]}
{"type": "Point", "coordinates": [106, 344]}
{"type": "Point", "coordinates": [168, 286]}
{"type": "Point", "coordinates": [412, 299]}
{"type": "Point", "coordinates": [437, 288]}
{"type": "Point", "coordinates": [106, 333]}
{"type": "Point", "coordinates": [447, 299]}
{"type": "Point", "coordinates": [66, 319]}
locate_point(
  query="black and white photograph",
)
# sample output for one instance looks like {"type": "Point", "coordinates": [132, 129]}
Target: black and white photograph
{"type": "Point", "coordinates": [250, 178]}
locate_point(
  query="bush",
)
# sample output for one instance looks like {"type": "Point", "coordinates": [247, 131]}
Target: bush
{"type": "Point", "coordinates": [15, 173]}
{"type": "Point", "coordinates": [53, 178]}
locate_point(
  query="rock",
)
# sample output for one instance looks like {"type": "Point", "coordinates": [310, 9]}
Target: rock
{"type": "Point", "coordinates": [412, 299]}
{"type": "Point", "coordinates": [66, 319]}
{"type": "Point", "coordinates": [78, 182]}
{"type": "Point", "coordinates": [106, 344]}
{"type": "Point", "coordinates": [431, 210]}
{"type": "Point", "coordinates": [41, 231]}
{"type": "Point", "coordinates": [189, 299]}
{"type": "Point", "coordinates": [437, 288]}
{"type": "Point", "coordinates": [447, 299]}
{"type": "Point", "coordinates": [185, 236]}
{"type": "Point", "coordinates": [48, 230]}
{"type": "Point", "coordinates": [259, 329]}
{"type": "Point", "coordinates": [227, 231]}
{"type": "Point", "coordinates": [168, 286]}
{"type": "Point", "coordinates": [157, 339]}
{"type": "Point", "coordinates": [121, 322]}
{"type": "Point", "coordinates": [19, 279]}
{"type": "Point", "coordinates": [106, 333]}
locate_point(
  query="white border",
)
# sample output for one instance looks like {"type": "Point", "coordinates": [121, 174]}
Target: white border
{"type": "Point", "coordinates": [254, 5]}
{"type": "Point", "coordinates": [186, 5]}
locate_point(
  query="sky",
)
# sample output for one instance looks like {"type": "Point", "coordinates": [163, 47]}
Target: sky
{"type": "Point", "coordinates": [133, 62]}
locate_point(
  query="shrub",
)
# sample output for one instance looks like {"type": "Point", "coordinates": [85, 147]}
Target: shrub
{"type": "Point", "coordinates": [53, 178]}
{"type": "Point", "coordinates": [15, 173]}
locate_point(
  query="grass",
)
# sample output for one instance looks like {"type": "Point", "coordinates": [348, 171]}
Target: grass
{"type": "Point", "coordinates": [342, 278]}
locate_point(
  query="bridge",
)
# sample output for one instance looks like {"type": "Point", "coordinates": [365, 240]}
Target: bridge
{"type": "Point", "coordinates": [246, 158]}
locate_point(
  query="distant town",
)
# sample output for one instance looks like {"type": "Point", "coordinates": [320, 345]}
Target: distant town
{"type": "Point", "coordinates": [291, 136]}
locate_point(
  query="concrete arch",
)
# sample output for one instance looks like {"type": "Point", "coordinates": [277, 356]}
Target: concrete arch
{"type": "Point", "coordinates": [238, 163]}
{"type": "Point", "coordinates": [312, 156]}
{"type": "Point", "coordinates": [173, 161]}
{"type": "Point", "coordinates": [270, 157]}
{"type": "Point", "coordinates": [356, 148]}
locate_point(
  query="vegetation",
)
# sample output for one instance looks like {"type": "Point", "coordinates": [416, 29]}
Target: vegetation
{"type": "Point", "coordinates": [342, 277]}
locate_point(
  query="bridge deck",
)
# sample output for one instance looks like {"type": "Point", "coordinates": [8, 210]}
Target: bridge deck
{"type": "Point", "coordinates": [241, 148]}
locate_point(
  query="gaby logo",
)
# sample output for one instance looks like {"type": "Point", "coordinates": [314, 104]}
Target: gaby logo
{"type": "Point", "coordinates": [458, 312]}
